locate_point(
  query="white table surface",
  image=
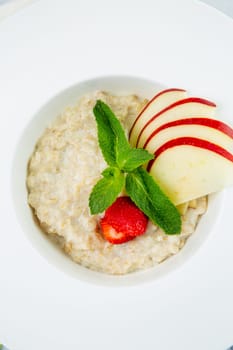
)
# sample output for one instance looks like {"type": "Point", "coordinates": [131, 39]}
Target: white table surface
{"type": "Point", "coordinates": [225, 6]}
{"type": "Point", "coordinates": [8, 7]}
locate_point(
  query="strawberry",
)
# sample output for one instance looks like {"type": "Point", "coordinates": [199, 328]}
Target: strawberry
{"type": "Point", "coordinates": [123, 221]}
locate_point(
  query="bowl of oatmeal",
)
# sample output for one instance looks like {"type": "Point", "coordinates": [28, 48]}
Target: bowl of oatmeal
{"type": "Point", "coordinates": [58, 161]}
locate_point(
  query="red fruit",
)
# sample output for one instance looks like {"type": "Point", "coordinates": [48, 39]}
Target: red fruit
{"type": "Point", "coordinates": [111, 235]}
{"type": "Point", "coordinates": [123, 221]}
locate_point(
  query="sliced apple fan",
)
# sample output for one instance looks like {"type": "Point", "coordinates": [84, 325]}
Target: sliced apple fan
{"type": "Point", "coordinates": [193, 152]}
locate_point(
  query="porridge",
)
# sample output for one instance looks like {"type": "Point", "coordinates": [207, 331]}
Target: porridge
{"type": "Point", "coordinates": [65, 165]}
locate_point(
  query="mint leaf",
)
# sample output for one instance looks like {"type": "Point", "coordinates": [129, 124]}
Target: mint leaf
{"type": "Point", "coordinates": [111, 135]}
{"type": "Point", "coordinates": [148, 196]}
{"type": "Point", "coordinates": [106, 136]}
{"type": "Point", "coordinates": [135, 157]}
{"type": "Point", "coordinates": [113, 142]}
{"type": "Point", "coordinates": [106, 190]}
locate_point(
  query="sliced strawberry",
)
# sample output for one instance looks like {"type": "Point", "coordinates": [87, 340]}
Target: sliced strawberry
{"type": "Point", "coordinates": [111, 235]}
{"type": "Point", "coordinates": [123, 221]}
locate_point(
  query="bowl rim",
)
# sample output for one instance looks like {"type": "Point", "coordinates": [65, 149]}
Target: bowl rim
{"type": "Point", "coordinates": [51, 252]}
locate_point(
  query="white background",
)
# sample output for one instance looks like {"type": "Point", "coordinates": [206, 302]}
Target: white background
{"type": "Point", "coordinates": [42, 309]}
{"type": "Point", "coordinates": [225, 6]}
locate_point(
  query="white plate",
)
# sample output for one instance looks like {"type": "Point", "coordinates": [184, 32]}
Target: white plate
{"type": "Point", "coordinates": [52, 45]}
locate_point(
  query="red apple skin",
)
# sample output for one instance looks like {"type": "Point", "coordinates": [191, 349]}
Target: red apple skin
{"type": "Point", "coordinates": [211, 123]}
{"type": "Point", "coordinates": [191, 141]}
{"type": "Point", "coordinates": [180, 102]}
{"type": "Point", "coordinates": [152, 100]}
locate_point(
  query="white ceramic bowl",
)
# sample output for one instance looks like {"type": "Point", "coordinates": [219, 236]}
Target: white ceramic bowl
{"type": "Point", "coordinates": [117, 85]}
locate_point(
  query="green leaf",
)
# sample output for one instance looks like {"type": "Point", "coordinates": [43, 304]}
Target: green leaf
{"type": "Point", "coordinates": [106, 136]}
{"type": "Point", "coordinates": [135, 157]}
{"type": "Point", "coordinates": [111, 135]}
{"type": "Point", "coordinates": [148, 196]}
{"type": "Point", "coordinates": [106, 190]}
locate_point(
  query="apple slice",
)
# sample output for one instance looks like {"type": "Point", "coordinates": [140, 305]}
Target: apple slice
{"type": "Point", "coordinates": [205, 128]}
{"type": "Point", "coordinates": [183, 207]}
{"type": "Point", "coordinates": [160, 101]}
{"type": "Point", "coordinates": [187, 168]}
{"type": "Point", "coordinates": [192, 107]}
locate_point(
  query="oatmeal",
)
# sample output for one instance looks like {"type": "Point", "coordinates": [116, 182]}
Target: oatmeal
{"type": "Point", "coordinates": [65, 165]}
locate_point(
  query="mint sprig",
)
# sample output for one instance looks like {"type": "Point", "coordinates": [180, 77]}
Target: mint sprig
{"type": "Point", "coordinates": [125, 170]}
